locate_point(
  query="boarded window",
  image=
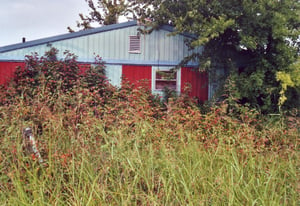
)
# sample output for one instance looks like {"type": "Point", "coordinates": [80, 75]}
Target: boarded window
{"type": "Point", "coordinates": [165, 79]}
{"type": "Point", "coordinates": [134, 44]}
{"type": "Point", "coordinates": [138, 75]}
{"type": "Point", "coordinates": [198, 80]}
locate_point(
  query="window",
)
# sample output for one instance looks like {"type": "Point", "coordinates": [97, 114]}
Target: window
{"type": "Point", "coordinates": [165, 79]}
{"type": "Point", "coordinates": [134, 44]}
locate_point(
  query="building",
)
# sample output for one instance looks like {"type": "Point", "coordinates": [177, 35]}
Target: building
{"type": "Point", "coordinates": [126, 51]}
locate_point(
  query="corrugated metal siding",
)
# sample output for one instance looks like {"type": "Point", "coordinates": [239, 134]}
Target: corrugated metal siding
{"type": "Point", "coordinates": [7, 70]}
{"type": "Point", "coordinates": [198, 81]}
{"type": "Point", "coordinates": [113, 46]}
{"type": "Point", "coordinates": [114, 74]}
{"type": "Point", "coordinates": [134, 74]}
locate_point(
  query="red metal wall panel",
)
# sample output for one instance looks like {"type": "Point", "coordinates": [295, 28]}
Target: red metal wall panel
{"type": "Point", "coordinates": [198, 81]}
{"type": "Point", "coordinates": [7, 70]}
{"type": "Point", "coordinates": [134, 73]}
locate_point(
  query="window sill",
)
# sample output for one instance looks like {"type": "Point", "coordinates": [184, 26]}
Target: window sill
{"type": "Point", "coordinates": [134, 52]}
{"type": "Point", "coordinates": [166, 80]}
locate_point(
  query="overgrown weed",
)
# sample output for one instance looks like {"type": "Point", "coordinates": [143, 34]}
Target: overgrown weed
{"type": "Point", "coordinates": [121, 146]}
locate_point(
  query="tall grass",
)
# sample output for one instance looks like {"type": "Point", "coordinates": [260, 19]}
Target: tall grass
{"type": "Point", "coordinates": [144, 164]}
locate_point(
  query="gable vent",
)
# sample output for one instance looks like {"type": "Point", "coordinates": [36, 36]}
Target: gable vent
{"type": "Point", "coordinates": [134, 44]}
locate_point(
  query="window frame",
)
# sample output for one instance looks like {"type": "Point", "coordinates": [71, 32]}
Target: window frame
{"type": "Point", "coordinates": [167, 69]}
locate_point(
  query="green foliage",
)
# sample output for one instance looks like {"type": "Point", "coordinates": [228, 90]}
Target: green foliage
{"type": "Point", "coordinates": [290, 81]}
{"type": "Point", "coordinates": [285, 82]}
{"type": "Point", "coordinates": [103, 12]}
{"type": "Point", "coordinates": [253, 39]}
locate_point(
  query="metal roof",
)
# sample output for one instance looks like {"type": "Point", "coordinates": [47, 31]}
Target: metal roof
{"type": "Point", "coordinates": [79, 34]}
{"type": "Point", "coordinates": [67, 36]}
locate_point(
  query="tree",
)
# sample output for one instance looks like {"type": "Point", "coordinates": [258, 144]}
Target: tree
{"type": "Point", "coordinates": [252, 40]}
{"type": "Point", "coordinates": [103, 12]}
{"type": "Point", "coordinates": [106, 12]}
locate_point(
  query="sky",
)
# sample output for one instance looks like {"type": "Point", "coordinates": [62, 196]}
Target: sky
{"type": "Point", "coordinates": [36, 19]}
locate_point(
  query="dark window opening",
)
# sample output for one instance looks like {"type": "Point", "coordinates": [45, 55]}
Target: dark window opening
{"type": "Point", "coordinates": [166, 79]}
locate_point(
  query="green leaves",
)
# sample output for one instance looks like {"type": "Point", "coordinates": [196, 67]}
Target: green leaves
{"type": "Point", "coordinates": [212, 29]}
{"type": "Point", "coordinates": [288, 79]}
{"type": "Point", "coordinates": [253, 39]}
{"type": "Point", "coordinates": [103, 12]}
{"type": "Point", "coordinates": [249, 42]}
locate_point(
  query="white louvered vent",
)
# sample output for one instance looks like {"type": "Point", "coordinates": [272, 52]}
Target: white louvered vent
{"type": "Point", "coordinates": [134, 44]}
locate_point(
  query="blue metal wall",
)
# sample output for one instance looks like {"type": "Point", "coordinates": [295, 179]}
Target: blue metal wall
{"type": "Point", "coordinates": [157, 48]}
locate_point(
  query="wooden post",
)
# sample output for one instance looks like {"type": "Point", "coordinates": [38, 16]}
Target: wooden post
{"type": "Point", "coordinates": [29, 144]}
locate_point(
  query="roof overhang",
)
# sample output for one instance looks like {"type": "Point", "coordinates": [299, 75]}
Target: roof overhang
{"type": "Point", "coordinates": [52, 39]}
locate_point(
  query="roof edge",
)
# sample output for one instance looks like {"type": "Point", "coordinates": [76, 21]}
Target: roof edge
{"type": "Point", "coordinates": [173, 29]}
{"type": "Point", "coordinates": [67, 36]}
{"type": "Point", "coordinates": [49, 40]}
